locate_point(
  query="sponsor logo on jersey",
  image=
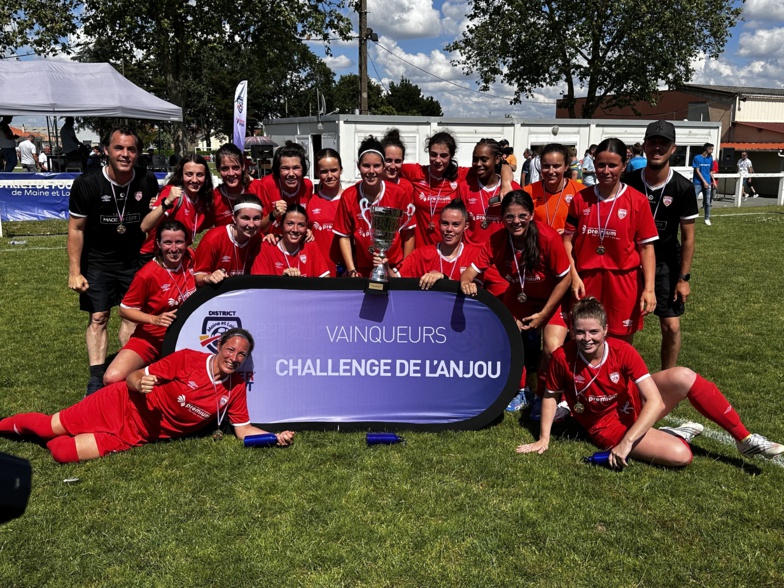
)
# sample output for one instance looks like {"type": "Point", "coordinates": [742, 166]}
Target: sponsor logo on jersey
{"type": "Point", "coordinates": [316, 210]}
{"type": "Point", "coordinates": [172, 302]}
{"type": "Point", "coordinates": [578, 379]}
{"type": "Point", "coordinates": [602, 399]}
{"type": "Point", "coordinates": [627, 323]}
{"type": "Point", "coordinates": [615, 376]}
{"type": "Point", "coordinates": [165, 287]}
{"type": "Point", "coordinates": [422, 197]}
{"type": "Point", "coordinates": [621, 213]}
{"type": "Point", "coordinates": [472, 200]}
{"type": "Point", "coordinates": [181, 399]}
{"type": "Point", "coordinates": [226, 259]}
{"type": "Point", "coordinates": [106, 198]}
{"type": "Point", "coordinates": [215, 325]}
{"type": "Point", "coordinates": [193, 384]}
{"type": "Point", "coordinates": [667, 200]}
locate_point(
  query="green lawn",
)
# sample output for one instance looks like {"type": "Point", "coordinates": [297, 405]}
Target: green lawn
{"type": "Point", "coordinates": [448, 509]}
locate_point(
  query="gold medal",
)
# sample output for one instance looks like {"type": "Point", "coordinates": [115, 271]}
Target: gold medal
{"type": "Point", "coordinates": [521, 297]}
{"type": "Point", "coordinates": [217, 435]}
{"type": "Point", "coordinates": [485, 223]}
{"type": "Point", "coordinates": [600, 250]}
{"type": "Point", "coordinates": [578, 408]}
{"type": "Point", "coordinates": [431, 227]}
{"type": "Point", "coordinates": [121, 229]}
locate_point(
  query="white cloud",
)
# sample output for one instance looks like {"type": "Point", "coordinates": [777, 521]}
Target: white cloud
{"type": "Point", "coordinates": [762, 43]}
{"type": "Point", "coordinates": [337, 63]}
{"type": "Point", "coordinates": [766, 10]}
{"type": "Point", "coordinates": [455, 18]}
{"type": "Point", "coordinates": [404, 19]}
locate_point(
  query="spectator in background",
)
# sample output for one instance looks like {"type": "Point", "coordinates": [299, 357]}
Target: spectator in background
{"type": "Point", "coordinates": [43, 159]}
{"type": "Point", "coordinates": [95, 159]}
{"type": "Point", "coordinates": [574, 165]}
{"type": "Point", "coordinates": [535, 171]}
{"type": "Point", "coordinates": [73, 148]}
{"type": "Point", "coordinates": [8, 143]}
{"type": "Point", "coordinates": [525, 175]}
{"type": "Point", "coordinates": [508, 154]}
{"type": "Point", "coordinates": [637, 161]}
{"type": "Point", "coordinates": [703, 178]}
{"type": "Point", "coordinates": [27, 155]}
{"type": "Point", "coordinates": [744, 169]}
{"type": "Point", "coordinates": [588, 168]}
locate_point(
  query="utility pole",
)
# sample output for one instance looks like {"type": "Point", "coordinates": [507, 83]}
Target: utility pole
{"type": "Point", "coordinates": [363, 73]}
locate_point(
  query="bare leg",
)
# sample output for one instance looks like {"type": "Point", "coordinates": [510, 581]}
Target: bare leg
{"type": "Point", "coordinates": [663, 449]}
{"type": "Point", "coordinates": [126, 330]}
{"type": "Point", "coordinates": [57, 427]}
{"type": "Point", "coordinates": [87, 447]}
{"type": "Point", "coordinates": [671, 341]}
{"type": "Point", "coordinates": [674, 385]}
{"type": "Point", "coordinates": [97, 337]}
{"type": "Point", "coordinates": [127, 361]}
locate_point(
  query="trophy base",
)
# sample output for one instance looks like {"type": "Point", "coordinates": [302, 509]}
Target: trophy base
{"type": "Point", "coordinates": [374, 287]}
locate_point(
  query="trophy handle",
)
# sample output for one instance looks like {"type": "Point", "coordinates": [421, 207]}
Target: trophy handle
{"type": "Point", "coordinates": [410, 210]}
{"type": "Point", "coordinates": [364, 212]}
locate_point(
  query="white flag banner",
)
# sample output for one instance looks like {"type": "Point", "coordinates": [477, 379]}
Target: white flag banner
{"type": "Point", "coordinates": [240, 111]}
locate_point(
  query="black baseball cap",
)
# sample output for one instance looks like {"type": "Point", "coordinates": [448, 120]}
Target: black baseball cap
{"type": "Point", "coordinates": [661, 128]}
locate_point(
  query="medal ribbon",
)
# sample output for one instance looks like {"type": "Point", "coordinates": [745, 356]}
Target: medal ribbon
{"type": "Point", "coordinates": [603, 231]}
{"type": "Point", "coordinates": [453, 261]}
{"type": "Point", "coordinates": [517, 266]}
{"type": "Point", "coordinates": [578, 393]}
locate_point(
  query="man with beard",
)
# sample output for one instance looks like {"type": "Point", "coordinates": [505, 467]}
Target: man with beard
{"type": "Point", "coordinates": [674, 205]}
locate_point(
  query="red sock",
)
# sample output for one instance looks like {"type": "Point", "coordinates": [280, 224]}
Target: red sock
{"type": "Point", "coordinates": [63, 449]}
{"type": "Point", "coordinates": [28, 423]}
{"type": "Point", "coordinates": [523, 379]}
{"type": "Point", "coordinates": [711, 403]}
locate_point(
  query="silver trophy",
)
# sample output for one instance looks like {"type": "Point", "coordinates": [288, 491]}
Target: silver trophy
{"type": "Point", "coordinates": [384, 225]}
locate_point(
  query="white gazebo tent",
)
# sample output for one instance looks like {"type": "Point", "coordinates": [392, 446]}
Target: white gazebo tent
{"type": "Point", "coordinates": [69, 88]}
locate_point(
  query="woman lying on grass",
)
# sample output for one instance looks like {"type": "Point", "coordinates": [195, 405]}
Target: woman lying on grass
{"type": "Point", "coordinates": [173, 397]}
{"type": "Point", "coordinates": [612, 395]}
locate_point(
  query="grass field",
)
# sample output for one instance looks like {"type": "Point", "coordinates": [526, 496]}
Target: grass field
{"type": "Point", "coordinates": [447, 509]}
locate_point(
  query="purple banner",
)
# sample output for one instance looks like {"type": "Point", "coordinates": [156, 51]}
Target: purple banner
{"type": "Point", "coordinates": [341, 356]}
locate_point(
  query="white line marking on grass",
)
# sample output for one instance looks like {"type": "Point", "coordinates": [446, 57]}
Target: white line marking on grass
{"type": "Point", "coordinates": [718, 214]}
{"type": "Point", "coordinates": [719, 436]}
{"type": "Point", "coordinates": [31, 249]}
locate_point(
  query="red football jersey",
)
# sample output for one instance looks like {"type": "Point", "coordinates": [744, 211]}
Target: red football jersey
{"type": "Point", "coordinates": [553, 263]}
{"type": "Point", "coordinates": [351, 222]}
{"type": "Point", "coordinates": [484, 219]}
{"type": "Point", "coordinates": [431, 195]}
{"type": "Point", "coordinates": [321, 218]}
{"type": "Point", "coordinates": [428, 259]}
{"type": "Point", "coordinates": [223, 205]}
{"type": "Point", "coordinates": [193, 216]}
{"type": "Point", "coordinates": [271, 193]}
{"type": "Point", "coordinates": [625, 221]}
{"type": "Point", "coordinates": [272, 260]}
{"type": "Point", "coordinates": [155, 290]}
{"type": "Point", "coordinates": [218, 250]}
{"type": "Point", "coordinates": [607, 391]}
{"type": "Point", "coordinates": [187, 399]}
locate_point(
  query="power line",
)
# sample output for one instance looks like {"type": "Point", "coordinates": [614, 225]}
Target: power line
{"type": "Point", "coordinates": [481, 93]}
{"type": "Point", "coordinates": [380, 81]}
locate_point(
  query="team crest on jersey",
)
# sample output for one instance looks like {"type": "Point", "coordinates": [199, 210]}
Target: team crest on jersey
{"type": "Point", "coordinates": [139, 196]}
{"type": "Point", "coordinates": [569, 198]}
{"type": "Point", "coordinates": [667, 200]}
{"type": "Point", "coordinates": [215, 325]}
{"type": "Point", "coordinates": [224, 400]}
{"type": "Point", "coordinates": [303, 258]}
{"type": "Point", "coordinates": [615, 376]}
{"type": "Point", "coordinates": [453, 185]}
{"type": "Point", "coordinates": [621, 213]}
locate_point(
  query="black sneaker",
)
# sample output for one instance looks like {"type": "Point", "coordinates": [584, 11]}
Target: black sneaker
{"type": "Point", "coordinates": [93, 385]}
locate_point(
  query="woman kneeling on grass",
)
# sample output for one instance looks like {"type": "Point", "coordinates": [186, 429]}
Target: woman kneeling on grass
{"type": "Point", "coordinates": [174, 397]}
{"type": "Point", "coordinates": [616, 400]}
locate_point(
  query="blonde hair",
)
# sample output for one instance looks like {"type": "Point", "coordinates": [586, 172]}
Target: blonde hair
{"type": "Point", "coordinates": [589, 308]}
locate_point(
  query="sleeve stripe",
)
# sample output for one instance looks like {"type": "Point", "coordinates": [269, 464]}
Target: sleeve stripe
{"type": "Point", "coordinates": [130, 307]}
{"type": "Point", "coordinates": [72, 213]}
{"type": "Point", "coordinates": [651, 240]}
{"type": "Point", "coordinates": [325, 274]}
{"type": "Point", "coordinates": [690, 217]}
{"type": "Point", "coordinates": [240, 424]}
{"type": "Point", "coordinates": [563, 273]}
{"type": "Point", "coordinates": [339, 234]}
{"type": "Point", "coordinates": [641, 378]}
{"type": "Point", "coordinates": [548, 391]}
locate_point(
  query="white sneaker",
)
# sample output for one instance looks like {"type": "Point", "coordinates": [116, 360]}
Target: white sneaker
{"type": "Point", "coordinates": [687, 431]}
{"type": "Point", "coordinates": [755, 195]}
{"type": "Point", "coordinates": [759, 445]}
{"type": "Point", "coordinates": [707, 222]}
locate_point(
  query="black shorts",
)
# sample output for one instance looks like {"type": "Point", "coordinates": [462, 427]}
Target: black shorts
{"type": "Point", "coordinates": [107, 287]}
{"type": "Point", "coordinates": [666, 280]}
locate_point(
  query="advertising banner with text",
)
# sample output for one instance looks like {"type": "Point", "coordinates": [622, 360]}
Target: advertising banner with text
{"type": "Point", "coordinates": [330, 356]}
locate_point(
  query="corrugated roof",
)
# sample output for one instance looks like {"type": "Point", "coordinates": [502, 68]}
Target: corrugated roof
{"type": "Point", "coordinates": [735, 90]}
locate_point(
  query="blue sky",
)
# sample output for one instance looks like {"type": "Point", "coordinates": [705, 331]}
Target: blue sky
{"type": "Point", "coordinates": [418, 30]}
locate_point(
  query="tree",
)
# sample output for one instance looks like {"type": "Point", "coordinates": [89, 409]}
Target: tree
{"type": "Point", "coordinates": [345, 95]}
{"type": "Point", "coordinates": [616, 50]}
{"type": "Point", "coordinates": [38, 24]}
{"type": "Point", "coordinates": [407, 99]}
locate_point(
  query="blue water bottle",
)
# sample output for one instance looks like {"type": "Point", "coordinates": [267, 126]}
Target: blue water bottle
{"type": "Point", "coordinates": [383, 439]}
{"type": "Point", "coordinates": [598, 458]}
{"type": "Point", "coordinates": [263, 440]}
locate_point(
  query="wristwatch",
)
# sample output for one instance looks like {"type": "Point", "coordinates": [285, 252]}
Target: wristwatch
{"type": "Point", "coordinates": [684, 277]}
{"type": "Point", "coordinates": [166, 206]}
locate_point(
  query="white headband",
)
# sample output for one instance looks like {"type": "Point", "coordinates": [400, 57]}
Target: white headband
{"type": "Point", "coordinates": [242, 205]}
{"type": "Point", "coordinates": [372, 151]}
